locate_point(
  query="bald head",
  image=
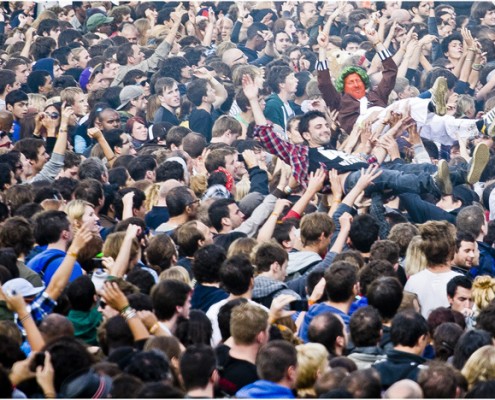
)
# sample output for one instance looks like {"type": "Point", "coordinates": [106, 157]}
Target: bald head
{"type": "Point", "coordinates": [168, 185]}
{"type": "Point", "coordinates": [233, 57]}
{"type": "Point", "coordinates": [404, 389]}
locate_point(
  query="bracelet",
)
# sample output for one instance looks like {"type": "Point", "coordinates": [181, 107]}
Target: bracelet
{"type": "Point", "coordinates": [25, 318]}
{"type": "Point", "coordinates": [287, 190]}
{"type": "Point", "coordinates": [125, 309]}
{"type": "Point", "coordinates": [154, 328]}
{"type": "Point", "coordinates": [469, 59]}
{"type": "Point", "coordinates": [128, 313]}
{"type": "Point", "coordinates": [477, 67]}
{"type": "Point", "coordinates": [311, 302]}
{"type": "Point", "coordinates": [72, 254]}
{"type": "Point", "coordinates": [275, 214]}
{"type": "Point", "coordinates": [337, 201]}
{"type": "Point", "coordinates": [50, 396]}
{"type": "Point", "coordinates": [376, 43]}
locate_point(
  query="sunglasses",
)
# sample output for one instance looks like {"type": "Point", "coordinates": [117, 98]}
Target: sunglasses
{"type": "Point", "coordinates": [144, 83]}
{"type": "Point", "coordinates": [54, 115]}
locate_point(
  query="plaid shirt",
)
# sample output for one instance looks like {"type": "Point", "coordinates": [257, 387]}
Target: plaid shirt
{"type": "Point", "coordinates": [41, 306]}
{"type": "Point", "coordinates": [295, 155]}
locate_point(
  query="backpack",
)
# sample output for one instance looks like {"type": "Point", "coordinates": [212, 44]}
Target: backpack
{"type": "Point", "coordinates": [267, 300]}
{"type": "Point", "coordinates": [48, 262]}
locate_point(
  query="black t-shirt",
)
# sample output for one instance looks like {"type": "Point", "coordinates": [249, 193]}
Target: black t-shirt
{"type": "Point", "coordinates": [164, 115]}
{"type": "Point", "coordinates": [234, 373]}
{"type": "Point", "coordinates": [201, 121]}
{"type": "Point", "coordinates": [334, 159]}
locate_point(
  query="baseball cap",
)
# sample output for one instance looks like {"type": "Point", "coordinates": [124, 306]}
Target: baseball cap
{"type": "Point", "coordinates": [129, 93]}
{"type": "Point", "coordinates": [84, 78]}
{"type": "Point", "coordinates": [464, 194]}
{"type": "Point", "coordinates": [22, 287]}
{"type": "Point", "coordinates": [97, 20]}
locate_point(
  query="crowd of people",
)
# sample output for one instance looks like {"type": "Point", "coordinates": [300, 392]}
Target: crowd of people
{"type": "Point", "coordinates": [251, 199]}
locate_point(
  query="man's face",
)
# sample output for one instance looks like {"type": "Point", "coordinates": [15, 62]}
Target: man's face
{"type": "Point", "coordinates": [354, 86]}
{"type": "Point", "coordinates": [110, 70]}
{"type": "Point", "coordinates": [131, 34]}
{"type": "Point", "coordinates": [236, 215]}
{"type": "Point", "coordinates": [308, 10]}
{"type": "Point", "coordinates": [291, 84]}
{"type": "Point", "coordinates": [71, 61]}
{"type": "Point", "coordinates": [109, 119]}
{"type": "Point", "coordinates": [424, 9]}
{"type": "Point", "coordinates": [352, 47]}
{"type": "Point", "coordinates": [464, 257]}
{"type": "Point", "coordinates": [447, 203]}
{"type": "Point", "coordinates": [455, 50]}
{"type": "Point", "coordinates": [140, 103]}
{"type": "Point", "coordinates": [127, 147]}
{"type": "Point", "coordinates": [47, 87]}
{"type": "Point", "coordinates": [98, 82]}
{"type": "Point", "coordinates": [236, 57]}
{"type": "Point", "coordinates": [57, 71]}
{"type": "Point", "coordinates": [186, 308]}
{"type": "Point", "coordinates": [21, 74]}
{"type": "Point", "coordinates": [206, 233]}
{"type": "Point", "coordinates": [210, 94]}
{"type": "Point", "coordinates": [137, 55]}
{"type": "Point", "coordinates": [489, 18]}
{"type": "Point", "coordinates": [83, 58]}
{"type": "Point", "coordinates": [19, 109]}
{"type": "Point", "coordinates": [80, 105]}
{"type": "Point", "coordinates": [462, 299]}
{"type": "Point", "coordinates": [170, 97]}
{"type": "Point", "coordinates": [145, 84]}
{"type": "Point", "coordinates": [70, 172]}
{"type": "Point", "coordinates": [282, 42]}
{"type": "Point", "coordinates": [319, 132]}
{"type": "Point", "coordinates": [43, 157]}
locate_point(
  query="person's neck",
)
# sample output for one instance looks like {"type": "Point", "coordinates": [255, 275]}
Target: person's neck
{"type": "Point", "coordinates": [60, 245]}
{"type": "Point", "coordinates": [411, 350]}
{"type": "Point", "coordinates": [299, 100]}
{"type": "Point", "coordinates": [438, 269]}
{"type": "Point", "coordinates": [344, 307]}
{"type": "Point", "coordinates": [171, 324]}
{"type": "Point", "coordinates": [178, 220]}
{"type": "Point", "coordinates": [245, 352]}
{"type": "Point", "coordinates": [169, 108]}
{"type": "Point", "coordinates": [205, 106]}
{"type": "Point", "coordinates": [247, 116]}
{"type": "Point", "coordinates": [2, 95]}
{"type": "Point", "coordinates": [206, 392]}
{"type": "Point", "coordinates": [312, 247]}
{"type": "Point", "coordinates": [161, 202]}
{"type": "Point", "coordinates": [269, 275]}
{"type": "Point", "coordinates": [250, 45]}
{"type": "Point", "coordinates": [211, 284]}
{"type": "Point", "coordinates": [248, 296]}
{"type": "Point", "coordinates": [132, 111]}
{"type": "Point", "coordinates": [225, 229]}
{"type": "Point", "coordinates": [284, 96]}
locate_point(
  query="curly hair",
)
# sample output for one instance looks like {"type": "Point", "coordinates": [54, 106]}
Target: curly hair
{"type": "Point", "coordinates": [339, 83]}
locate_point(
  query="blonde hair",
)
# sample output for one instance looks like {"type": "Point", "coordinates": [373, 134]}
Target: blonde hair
{"type": "Point", "coordinates": [480, 366]}
{"type": "Point", "coordinates": [179, 273]}
{"type": "Point", "coordinates": [113, 244]}
{"type": "Point", "coordinates": [143, 26]}
{"type": "Point", "coordinates": [69, 94]}
{"type": "Point", "coordinates": [483, 291]}
{"type": "Point", "coordinates": [75, 210]}
{"type": "Point", "coordinates": [45, 14]}
{"type": "Point", "coordinates": [37, 101]}
{"type": "Point", "coordinates": [242, 188]}
{"type": "Point", "coordinates": [77, 52]}
{"type": "Point", "coordinates": [415, 260]}
{"type": "Point", "coordinates": [152, 196]}
{"type": "Point", "coordinates": [223, 47]}
{"type": "Point", "coordinates": [244, 246]}
{"type": "Point", "coordinates": [311, 359]}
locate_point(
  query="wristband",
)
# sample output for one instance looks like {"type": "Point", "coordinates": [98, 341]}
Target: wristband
{"type": "Point", "coordinates": [25, 318]}
{"type": "Point", "coordinates": [477, 67]}
{"type": "Point", "coordinates": [154, 328]}
{"type": "Point", "coordinates": [287, 190]}
{"type": "Point", "coordinates": [72, 254]}
{"type": "Point", "coordinates": [125, 309]}
{"type": "Point", "coordinates": [274, 214]}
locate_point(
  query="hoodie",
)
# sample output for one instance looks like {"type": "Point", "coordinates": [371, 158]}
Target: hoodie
{"type": "Point", "coordinates": [276, 111]}
{"type": "Point", "coordinates": [264, 390]}
{"type": "Point", "coordinates": [299, 260]}
{"type": "Point", "coordinates": [266, 287]}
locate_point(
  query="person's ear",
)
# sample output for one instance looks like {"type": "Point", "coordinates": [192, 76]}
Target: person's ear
{"type": "Point", "coordinates": [215, 376]}
{"type": "Point", "coordinates": [306, 136]}
{"type": "Point", "coordinates": [228, 133]}
{"type": "Point", "coordinates": [10, 107]}
{"type": "Point", "coordinates": [275, 267]}
{"type": "Point", "coordinates": [226, 221]}
{"type": "Point", "coordinates": [340, 342]}
{"type": "Point", "coordinates": [292, 373]}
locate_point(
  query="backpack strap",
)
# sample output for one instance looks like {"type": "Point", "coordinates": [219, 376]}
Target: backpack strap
{"type": "Point", "coordinates": [267, 300]}
{"type": "Point", "coordinates": [302, 271]}
{"type": "Point", "coordinates": [48, 262]}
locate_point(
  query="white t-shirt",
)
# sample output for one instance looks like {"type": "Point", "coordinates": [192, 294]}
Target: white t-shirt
{"type": "Point", "coordinates": [431, 289]}
{"type": "Point", "coordinates": [212, 314]}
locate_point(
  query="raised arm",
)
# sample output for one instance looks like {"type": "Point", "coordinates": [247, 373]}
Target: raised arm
{"type": "Point", "coordinates": [97, 134]}
{"type": "Point", "coordinates": [61, 277]}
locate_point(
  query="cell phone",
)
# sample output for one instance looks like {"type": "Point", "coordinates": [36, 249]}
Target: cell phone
{"type": "Point", "coordinates": [98, 262]}
{"type": "Point", "coordinates": [298, 305]}
{"type": "Point", "coordinates": [38, 360]}
{"type": "Point", "coordinates": [240, 158]}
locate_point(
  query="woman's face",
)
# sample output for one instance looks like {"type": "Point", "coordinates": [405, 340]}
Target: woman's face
{"type": "Point", "coordinates": [290, 28]}
{"type": "Point", "coordinates": [90, 217]}
{"type": "Point", "coordinates": [139, 131]}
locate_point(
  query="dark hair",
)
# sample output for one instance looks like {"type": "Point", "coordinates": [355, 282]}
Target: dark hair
{"type": "Point", "coordinates": [325, 328]}
{"type": "Point", "coordinates": [124, 51]}
{"type": "Point", "coordinates": [445, 339]}
{"type": "Point", "coordinates": [267, 254]}
{"type": "Point", "coordinates": [178, 199]}
{"type": "Point", "coordinates": [482, 390]}
{"type": "Point", "coordinates": [196, 90]}
{"type": "Point", "coordinates": [274, 359]}
{"type": "Point", "coordinates": [49, 225]}
{"type": "Point", "coordinates": [169, 170]}
{"type": "Point", "coordinates": [81, 294]}
{"type": "Point", "coordinates": [196, 329]}
{"type": "Point", "coordinates": [468, 343]}
{"type": "Point", "coordinates": [364, 232]}
{"type": "Point", "coordinates": [61, 54]}
{"type": "Point", "coordinates": [307, 118]}
{"type": "Point", "coordinates": [407, 328]}
{"type": "Point", "coordinates": [17, 233]}
{"type": "Point", "coordinates": [7, 77]}
{"type": "Point", "coordinates": [167, 295]}
{"type": "Point", "coordinates": [277, 76]}
{"type": "Point", "coordinates": [236, 274]}
{"type": "Point", "coordinates": [340, 280]}
{"type": "Point", "coordinates": [118, 176]}
{"type": "Point", "coordinates": [142, 279]}
{"type": "Point", "coordinates": [224, 316]}
{"type": "Point", "coordinates": [196, 366]}
{"type": "Point", "coordinates": [486, 319]}
{"type": "Point", "coordinates": [171, 67]}
{"type": "Point", "coordinates": [385, 294]}
{"type": "Point", "coordinates": [455, 282]}
{"type": "Point", "coordinates": [149, 366]}
{"type": "Point", "coordinates": [446, 41]}
{"type": "Point", "coordinates": [15, 96]}
{"type": "Point", "coordinates": [363, 384]}
{"type": "Point", "coordinates": [140, 165]}
{"type": "Point", "coordinates": [365, 327]}
{"type": "Point", "coordinates": [90, 190]}
{"type": "Point", "coordinates": [438, 381]}
{"type": "Point", "coordinates": [207, 262]}
{"type": "Point", "coordinates": [68, 36]}
{"type": "Point", "coordinates": [218, 210]}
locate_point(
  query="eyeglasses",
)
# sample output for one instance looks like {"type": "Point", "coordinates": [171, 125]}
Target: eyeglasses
{"type": "Point", "coordinates": [194, 202]}
{"type": "Point", "coordinates": [144, 83]}
{"type": "Point", "coordinates": [54, 115]}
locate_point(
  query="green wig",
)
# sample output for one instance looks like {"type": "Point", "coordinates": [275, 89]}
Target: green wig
{"type": "Point", "coordinates": [339, 83]}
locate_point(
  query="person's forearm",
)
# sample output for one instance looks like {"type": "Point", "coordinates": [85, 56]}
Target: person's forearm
{"type": "Point", "coordinates": [220, 93]}
{"type": "Point", "coordinates": [119, 268]}
{"type": "Point", "coordinates": [467, 66]}
{"type": "Point", "coordinates": [208, 35]}
{"type": "Point", "coordinates": [340, 241]}
{"type": "Point", "coordinates": [36, 341]}
{"type": "Point", "coordinates": [425, 63]}
{"type": "Point", "coordinates": [171, 37]}
{"type": "Point", "coordinates": [138, 329]}
{"type": "Point", "coordinates": [265, 233]}
{"type": "Point", "coordinates": [107, 150]}
{"type": "Point", "coordinates": [26, 49]}
{"type": "Point", "coordinates": [61, 143]}
{"type": "Point", "coordinates": [61, 277]}
{"type": "Point", "coordinates": [258, 115]}
{"type": "Point", "coordinates": [303, 201]}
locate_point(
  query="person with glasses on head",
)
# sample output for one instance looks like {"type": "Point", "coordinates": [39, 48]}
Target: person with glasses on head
{"type": "Point", "coordinates": [47, 123]}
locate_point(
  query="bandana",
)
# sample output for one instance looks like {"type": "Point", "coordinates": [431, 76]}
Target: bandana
{"type": "Point", "coordinates": [230, 180]}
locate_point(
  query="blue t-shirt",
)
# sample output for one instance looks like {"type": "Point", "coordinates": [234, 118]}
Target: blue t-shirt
{"type": "Point", "coordinates": [57, 256]}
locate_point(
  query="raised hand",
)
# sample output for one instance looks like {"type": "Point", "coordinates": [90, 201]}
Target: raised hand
{"type": "Point", "coordinates": [322, 40]}
{"type": "Point", "coordinates": [249, 88]}
{"type": "Point", "coordinates": [113, 296]}
{"type": "Point", "coordinates": [95, 133]}
{"type": "Point", "coordinates": [368, 176]}
{"type": "Point", "coordinates": [316, 180]}
{"type": "Point", "coordinates": [336, 185]}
